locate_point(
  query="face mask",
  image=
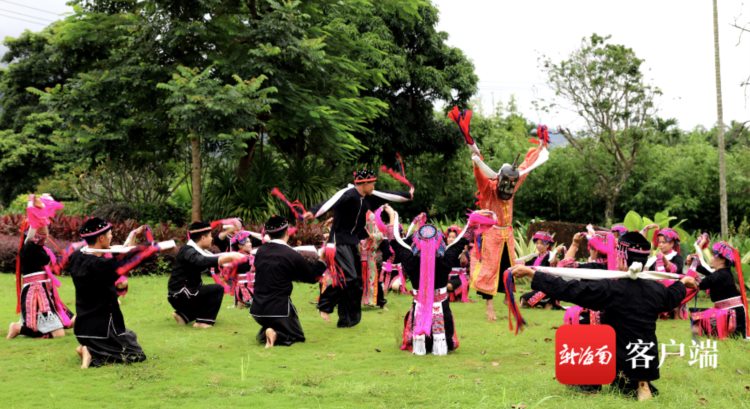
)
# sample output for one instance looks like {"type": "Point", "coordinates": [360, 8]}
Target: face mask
{"type": "Point", "coordinates": [506, 182]}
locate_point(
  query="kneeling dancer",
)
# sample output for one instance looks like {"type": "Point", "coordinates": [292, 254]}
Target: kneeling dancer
{"type": "Point", "coordinates": [190, 298]}
{"type": "Point", "coordinates": [629, 301]}
{"type": "Point", "coordinates": [99, 325]}
{"type": "Point", "coordinates": [276, 266]}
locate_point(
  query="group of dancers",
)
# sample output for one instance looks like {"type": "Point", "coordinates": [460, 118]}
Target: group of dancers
{"type": "Point", "coordinates": [368, 253]}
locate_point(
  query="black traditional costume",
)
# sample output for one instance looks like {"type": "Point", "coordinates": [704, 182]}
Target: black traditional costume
{"type": "Point", "coordinates": [191, 299]}
{"type": "Point", "coordinates": [349, 220]}
{"type": "Point", "coordinates": [100, 325]}
{"type": "Point", "coordinates": [276, 266]}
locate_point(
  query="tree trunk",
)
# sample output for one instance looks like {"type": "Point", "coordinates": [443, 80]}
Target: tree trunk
{"type": "Point", "coordinates": [609, 209]}
{"type": "Point", "coordinates": [195, 168]}
{"type": "Point", "coordinates": [243, 167]}
{"type": "Point", "coordinates": [720, 129]}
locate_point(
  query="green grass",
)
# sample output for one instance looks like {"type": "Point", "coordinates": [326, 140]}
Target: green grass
{"type": "Point", "coordinates": [359, 367]}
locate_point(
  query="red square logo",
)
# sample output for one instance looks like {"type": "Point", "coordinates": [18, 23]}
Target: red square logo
{"type": "Point", "coordinates": [585, 354]}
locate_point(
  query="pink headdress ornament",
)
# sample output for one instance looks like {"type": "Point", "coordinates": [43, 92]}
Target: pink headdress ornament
{"type": "Point", "coordinates": [543, 236]}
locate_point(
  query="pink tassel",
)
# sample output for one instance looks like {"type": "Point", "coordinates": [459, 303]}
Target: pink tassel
{"type": "Point", "coordinates": [426, 293]}
{"type": "Point", "coordinates": [572, 315]}
{"type": "Point", "coordinates": [220, 282]}
{"type": "Point", "coordinates": [379, 222]}
{"type": "Point", "coordinates": [464, 287]}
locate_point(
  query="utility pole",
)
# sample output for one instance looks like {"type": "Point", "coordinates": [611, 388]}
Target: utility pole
{"type": "Point", "coordinates": [720, 130]}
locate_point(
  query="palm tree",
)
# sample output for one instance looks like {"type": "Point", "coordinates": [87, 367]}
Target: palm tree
{"type": "Point", "coordinates": [720, 128]}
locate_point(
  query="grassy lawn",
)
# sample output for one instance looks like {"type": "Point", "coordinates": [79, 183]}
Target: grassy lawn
{"type": "Point", "coordinates": [360, 367]}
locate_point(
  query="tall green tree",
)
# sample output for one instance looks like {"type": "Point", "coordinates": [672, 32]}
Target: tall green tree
{"type": "Point", "coordinates": [203, 109]}
{"type": "Point", "coordinates": [604, 84]}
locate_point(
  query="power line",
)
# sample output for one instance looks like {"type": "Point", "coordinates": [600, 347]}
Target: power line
{"type": "Point", "coordinates": [29, 7]}
{"type": "Point", "coordinates": [22, 19]}
{"type": "Point", "coordinates": [26, 15]}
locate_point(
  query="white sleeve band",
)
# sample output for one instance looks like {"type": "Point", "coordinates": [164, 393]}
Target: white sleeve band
{"type": "Point", "coordinates": [390, 196]}
{"type": "Point", "coordinates": [332, 201]}
{"type": "Point", "coordinates": [543, 156]}
{"type": "Point", "coordinates": [486, 170]}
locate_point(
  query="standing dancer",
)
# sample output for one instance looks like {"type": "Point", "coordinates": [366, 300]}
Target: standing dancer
{"type": "Point", "coordinates": [496, 190]}
{"type": "Point", "coordinates": [350, 206]}
{"type": "Point", "coordinates": [429, 325]}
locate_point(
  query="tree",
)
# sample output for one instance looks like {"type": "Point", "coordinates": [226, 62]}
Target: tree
{"type": "Point", "coordinates": [203, 109]}
{"type": "Point", "coordinates": [337, 67]}
{"type": "Point", "coordinates": [421, 70]}
{"type": "Point", "coordinates": [603, 83]}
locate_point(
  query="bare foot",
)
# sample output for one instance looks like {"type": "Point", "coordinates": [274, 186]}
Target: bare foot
{"type": "Point", "coordinates": [79, 350]}
{"type": "Point", "coordinates": [85, 357]}
{"type": "Point", "coordinates": [644, 391]}
{"type": "Point", "coordinates": [491, 311]}
{"type": "Point", "coordinates": [201, 325]}
{"type": "Point", "coordinates": [325, 316]}
{"type": "Point", "coordinates": [13, 330]}
{"type": "Point", "coordinates": [548, 306]}
{"type": "Point", "coordinates": [270, 337]}
{"type": "Point", "coordinates": [178, 318]}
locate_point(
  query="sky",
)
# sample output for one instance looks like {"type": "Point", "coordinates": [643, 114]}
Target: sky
{"type": "Point", "coordinates": [505, 39]}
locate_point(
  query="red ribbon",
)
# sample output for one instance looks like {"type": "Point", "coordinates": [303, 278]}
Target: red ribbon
{"type": "Point", "coordinates": [297, 208]}
{"type": "Point", "coordinates": [513, 311]}
{"type": "Point", "coordinates": [542, 134]}
{"type": "Point", "coordinates": [463, 120]}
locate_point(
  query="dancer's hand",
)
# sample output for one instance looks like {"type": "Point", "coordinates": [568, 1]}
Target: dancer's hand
{"type": "Point", "coordinates": [307, 216]}
{"type": "Point", "coordinates": [520, 271]}
{"type": "Point", "coordinates": [578, 238]}
{"type": "Point", "coordinates": [689, 282]}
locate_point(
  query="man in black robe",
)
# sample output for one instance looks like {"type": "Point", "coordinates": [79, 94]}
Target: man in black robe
{"type": "Point", "coordinates": [100, 326]}
{"type": "Point", "coordinates": [277, 265]}
{"type": "Point", "coordinates": [191, 299]}
{"type": "Point", "coordinates": [630, 306]}
{"type": "Point", "coordinates": [350, 206]}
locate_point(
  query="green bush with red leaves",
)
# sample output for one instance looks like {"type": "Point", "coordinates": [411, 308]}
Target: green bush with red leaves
{"type": "Point", "coordinates": [64, 230]}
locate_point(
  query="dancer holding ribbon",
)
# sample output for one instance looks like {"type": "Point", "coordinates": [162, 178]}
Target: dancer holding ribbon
{"type": "Point", "coordinates": [43, 314]}
{"type": "Point", "coordinates": [350, 206]}
{"type": "Point", "coordinates": [428, 326]}
{"type": "Point", "coordinates": [191, 299]}
{"type": "Point", "coordinates": [496, 190]}
{"type": "Point", "coordinates": [100, 326]}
